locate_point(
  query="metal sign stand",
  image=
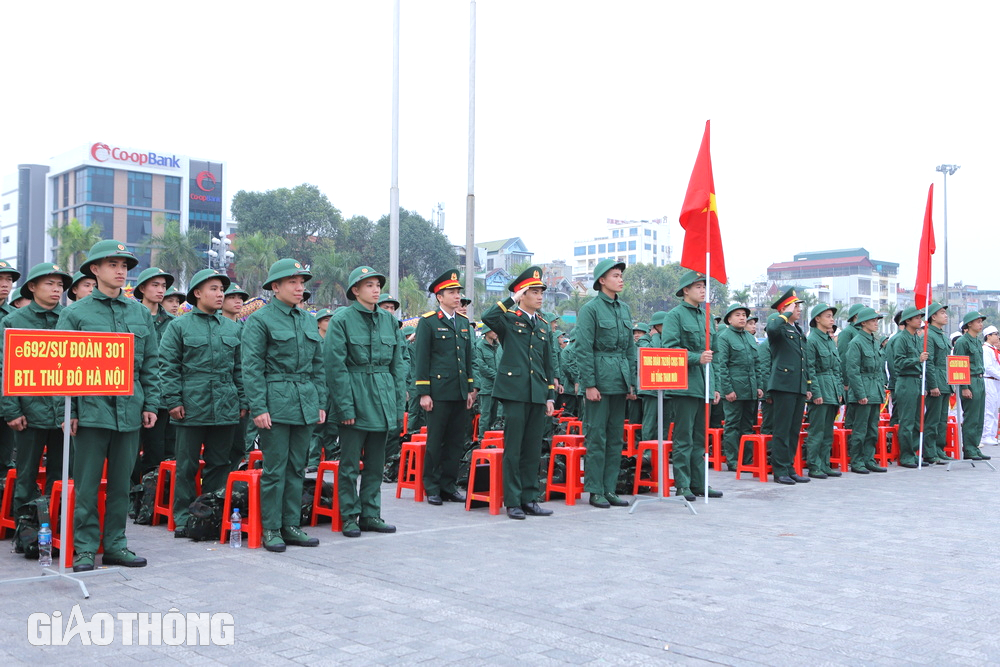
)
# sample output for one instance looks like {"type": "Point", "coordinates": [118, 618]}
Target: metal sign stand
{"type": "Point", "coordinates": [49, 573]}
{"type": "Point", "coordinates": [661, 466]}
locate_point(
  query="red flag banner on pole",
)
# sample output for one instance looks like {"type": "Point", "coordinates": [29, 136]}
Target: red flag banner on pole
{"type": "Point", "coordinates": [700, 238]}
{"type": "Point", "coordinates": [922, 290]}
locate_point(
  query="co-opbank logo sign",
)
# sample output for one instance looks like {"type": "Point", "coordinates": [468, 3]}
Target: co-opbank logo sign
{"type": "Point", "coordinates": [103, 153]}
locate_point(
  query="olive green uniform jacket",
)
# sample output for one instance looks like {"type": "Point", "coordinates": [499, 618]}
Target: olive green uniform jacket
{"type": "Point", "coordinates": [938, 349]}
{"type": "Point", "coordinates": [684, 327]}
{"type": "Point", "coordinates": [42, 412]}
{"type": "Point", "coordinates": [824, 367]}
{"type": "Point", "coordinates": [604, 347]}
{"type": "Point", "coordinates": [735, 361]}
{"type": "Point", "coordinates": [486, 359]}
{"type": "Point", "coordinates": [865, 374]}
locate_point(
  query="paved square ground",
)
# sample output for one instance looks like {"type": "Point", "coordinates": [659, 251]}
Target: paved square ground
{"type": "Point", "coordinates": [896, 568]}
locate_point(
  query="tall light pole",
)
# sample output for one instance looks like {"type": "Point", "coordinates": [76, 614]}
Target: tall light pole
{"type": "Point", "coordinates": [470, 199]}
{"type": "Point", "coordinates": [394, 187]}
{"type": "Point", "coordinates": [947, 170]}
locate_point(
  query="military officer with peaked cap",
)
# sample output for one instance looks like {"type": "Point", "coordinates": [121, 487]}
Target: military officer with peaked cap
{"type": "Point", "coordinates": [107, 427]}
{"type": "Point", "coordinates": [36, 421]}
{"type": "Point", "coordinates": [446, 384]}
{"type": "Point", "coordinates": [8, 276]}
{"type": "Point", "coordinates": [827, 391]}
{"type": "Point", "coordinates": [973, 396]}
{"type": "Point", "coordinates": [284, 383]}
{"type": "Point", "coordinates": [788, 384]}
{"type": "Point", "coordinates": [684, 327]}
{"type": "Point", "coordinates": [605, 356]}
{"type": "Point", "coordinates": [736, 369]}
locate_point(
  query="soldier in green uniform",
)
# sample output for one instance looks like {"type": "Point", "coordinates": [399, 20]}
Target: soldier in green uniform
{"type": "Point", "coordinates": [107, 427]}
{"type": "Point", "coordinates": [649, 397]}
{"type": "Point", "coordinates": [906, 348]}
{"type": "Point", "coordinates": [172, 300]}
{"type": "Point", "coordinates": [763, 377]}
{"type": "Point", "coordinates": [36, 421]}
{"type": "Point", "coordinates": [827, 391]}
{"type": "Point", "coordinates": [973, 395]}
{"type": "Point", "coordinates": [736, 369]}
{"type": "Point", "coordinates": [788, 384]}
{"type": "Point", "coordinates": [487, 355]}
{"type": "Point", "coordinates": [364, 373]}
{"type": "Point", "coordinates": [866, 386]}
{"type": "Point", "coordinates": [324, 435]}
{"type": "Point", "coordinates": [394, 441]}
{"type": "Point", "coordinates": [606, 371]}
{"type": "Point", "coordinates": [843, 340]}
{"type": "Point", "coordinates": [283, 380]}
{"type": "Point", "coordinates": [416, 418]}
{"type": "Point", "coordinates": [202, 384]}
{"type": "Point", "coordinates": [82, 286]}
{"type": "Point", "coordinates": [633, 405]}
{"type": "Point", "coordinates": [938, 390]}
{"type": "Point", "coordinates": [8, 276]}
{"type": "Point", "coordinates": [232, 304]}
{"type": "Point", "coordinates": [236, 296]}
{"type": "Point", "coordinates": [157, 443]}
{"type": "Point", "coordinates": [445, 382]}
{"type": "Point", "coordinates": [567, 361]}
{"type": "Point", "coordinates": [524, 383]}
{"type": "Point", "coordinates": [684, 327]}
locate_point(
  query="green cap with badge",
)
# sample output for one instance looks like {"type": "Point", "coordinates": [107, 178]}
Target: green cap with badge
{"type": "Point", "coordinates": [40, 271]}
{"type": "Point", "coordinates": [108, 249]}
{"type": "Point", "coordinates": [202, 276]}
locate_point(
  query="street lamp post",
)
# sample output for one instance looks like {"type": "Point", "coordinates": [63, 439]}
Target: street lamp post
{"type": "Point", "coordinates": [223, 256]}
{"type": "Point", "coordinates": [947, 170]}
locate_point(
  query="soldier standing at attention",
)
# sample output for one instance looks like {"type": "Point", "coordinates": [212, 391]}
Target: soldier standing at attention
{"type": "Point", "coordinates": [866, 387]}
{"type": "Point", "coordinates": [202, 382]}
{"type": "Point", "coordinates": [574, 392]}
{"type": "Point", "coordinates": [524, 382]}
{"type": "Point", "coordinates": [172, 300]}
{"type": "Point", "coordinates": [633, 406]}
{"type": "Point", "coordinates": [487, 353]}
{"type": "Point", "coordinates": [788, 384]}
{"type": "Point", "coordinates": [736, 369]}
{"type": "Point", "coordinates": [232, 304]}
{"type": "Point", "coordinates": [827, 391]}
{"type": "Point", "coordinates": [82, 286]}
{"type": "Point", "coordinates": [606, 366]}
{"type": "Point", "coordinates": [366, 378]}
{"type": "Point", "coordinates": [973, 395]}
{"type": "Point", "coordinates": [908, 356]}
{"type": "Point", "coordinates": [283, 379]}
{"type": "Point", "coordinates": [684, 327]}
{"type": "Point", "coordinates": [107, 427]}
{"type": "Point", "coordinates": [324, 435]}
{"type": "Point", "coordinates": [155, 444]}
{"type": "Point", "coordinates": [843, 340]}
{"type": "Point", "coordinates": [446, 385]}
{"type": "Point", "coordinates": [8, 276]}
{"type": "Point", "coordinates": [938, 389]}
{"type": "Point", "coordinates": [36, 421]}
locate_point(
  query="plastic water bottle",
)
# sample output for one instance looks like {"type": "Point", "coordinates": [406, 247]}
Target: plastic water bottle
{"type": "Point", "coordinates": [45, 546]}
{"type": "Point", "coordinates": [235, 536]}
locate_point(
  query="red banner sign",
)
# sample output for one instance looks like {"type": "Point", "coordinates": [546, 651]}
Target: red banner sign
{"type": "Point", "coordinates": [661, 368]}
{"type": "Point", "coordinates": [42, 362]}
{"type": "Point", "coordinates": [958, 370]}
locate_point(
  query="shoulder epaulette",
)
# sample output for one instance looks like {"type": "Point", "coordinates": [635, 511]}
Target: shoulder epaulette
{"type": "Point", "coordinates": [461, 315]}
{"type": "Point", "coordinates": [542, 319]}
{"type": "Point", "coordinates": [428, 314]}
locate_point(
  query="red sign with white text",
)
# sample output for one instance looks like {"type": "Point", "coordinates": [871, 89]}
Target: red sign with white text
{"type": "Point", "coordinates": [43, 362]}
{"type": "Point", "coordinates": [958, 370]}
{"type": "Point", "coordinates": [662, 368]}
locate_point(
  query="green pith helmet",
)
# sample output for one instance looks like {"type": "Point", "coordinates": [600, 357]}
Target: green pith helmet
{"type": "Point", "coordinates": [323, 313]}
{"type": "Point", "coordinates": [818, 310]}
{"type": "Point", "coordinates": [40, 271]}
{"type": "Point", "coordinates": [363, 273]}
{"type": "Point", "coordinates": [387, 298]}
{"type": "Point", "coordinates": [7, 267]}
{"type": "Point", "coordinates": [236, 289]}
{"type": "Point", "coordinates": [688, 279]}
{"type": "Point", "coordinates": [732, 309]}
{"type": "Point", "coordinates": [77, 277]}
{"type": "Point", "coordinates": [202, 276]}
{"type": "Point", "coordinates": [866, 314]}
{"type": "Point", "coordinates": [853, 311]}
{"type": "Point", "coordinates": [173, 291]}
{"type": "Point", "coordinates": [910, 313]}
{"type": "Point", "coordinates": [107, 249]}
{"type": "Point", "coordinates": [286, 268]}
{"type": "Point", "coordinates": [658, 318]}
{"type": "Point", "coordinates": [933, 308]}
{"type": "Point", "coordinates": [640, 326]}
{"type": "Point", "coordinates": [970, 317]}
{"type": "Point", "coordinates": [409, 330]}
{"type": "Point", "coordinates": [603, 267]}
{"type": "Point", "coordinates": [147, 275]}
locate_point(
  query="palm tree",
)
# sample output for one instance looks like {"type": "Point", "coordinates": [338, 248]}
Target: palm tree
{"type": "Point", "coordinates": [412, 297]}
{"type": "Point", "coordinates": [255, 253]}
{"type": "Point", "coordinates": [177, 252]}
{"type": "Point", "coordinates": [331, 270]}
{"type": "Point", "coordinates": [73, 241]}
{"type": "Point", "coordinates": [741, 296]}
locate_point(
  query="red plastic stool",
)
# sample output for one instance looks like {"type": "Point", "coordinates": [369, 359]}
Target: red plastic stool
{"type": "Point", "coordinates": [652, 482]}
{"type": "Point", "coordinates": [475, 427]}
{"type": "Point", "coordinates": [566, 418]}
{"type": "Point", "coordinates": [759, 467]}
{"type": "Point", "coordinates": [799, 463]}
{"type": "Point", "coordinates": [567, 441]}
{"type": "Point", "coordinates": [491, 443]}
{"type": "Point", "coordinates": [333, 511]}
{"type": "Point", "coordinates": [882, 453]}
{"type": "Point", "coordinates": [256, 456]}
{"type": "Point", "coordinates": [574, 425]}
{"type": "Point", "coordinates": [951, 441]}
{"type": "Point", "coordinates": [633, 432]}
{"type": "Point", "coordinates": [7, 520]}
{"type": "Point", "coordinates": [55, 522]}
{"type": "Point", "coordinates": [159, 509]}
{"type": "Point", "coordinates": [572, 487]}
{"type": "Point", "coordinates": [716, 457]}
{"type": "Point", "coordinates": [840, 454]}
{"type": "Point", "coordinates": [492, 434]}
{"type": "Point", "coordinates": [493, 495]}
{"type": "Point", "coordinates": [418, 437]}
{"type": "Point", "coordinates": [411, 469]}
{"type": "Point", "coordinates": [251, 521]}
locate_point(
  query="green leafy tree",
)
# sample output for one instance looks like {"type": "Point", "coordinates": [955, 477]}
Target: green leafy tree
{"type": "Point", "coordinates": [301, 215]}
{"type": "Point", "coordinates": [73, 242]}
{"type": "Point", "coordinates": [255, 253]}
{"type": "Point", "coordinates": [177, 252]}
{"type": "Point", "coordinates": [741, 296]}
{"type": "Point", "coordinates": [331, 272]}
{"type": "Point", "coordinates": [424, 251]}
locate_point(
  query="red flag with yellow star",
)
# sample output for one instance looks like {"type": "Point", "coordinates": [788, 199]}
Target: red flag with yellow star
{"type": "Point", "coordinates": [922, 290]}
{"type": "Point", "coordinates": [700, 218]}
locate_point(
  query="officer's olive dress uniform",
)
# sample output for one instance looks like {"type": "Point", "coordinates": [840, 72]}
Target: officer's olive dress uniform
{"type": "Point", "coordinates": [973, 409]}
{"type": "Point", "coordinates": [605, 357]}
{"type": "Point", "coordinates": [735, 362]}
{"type": "Point", "coordinates": [487, 357]}
{"type": "Point", "coordinates": [365, 376]}
{"type": "Point", "coordinates": [936, 407]}
{"type": "Point", "coordinates": [44, 414]}
{"type": "Point", "coordinates": [201, 370]}
{"type": "Point", "coordinates": [283, 375]}
{"type": "Point", "coordinates": [865, 379]}
{"type": "Point", "coordinates": [524, 385]}
{"type": "Point", "coordinates": [788, 384]}
{"type": "Point", "coordinates": [108, 426]}
{"type": "Point", "coordinates": [827, 383]}
{"type": "Point", "coordinates": [684, 327]}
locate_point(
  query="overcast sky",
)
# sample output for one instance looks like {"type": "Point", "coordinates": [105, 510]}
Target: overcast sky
{"type": "Point", "coordinates": [827, 119]}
